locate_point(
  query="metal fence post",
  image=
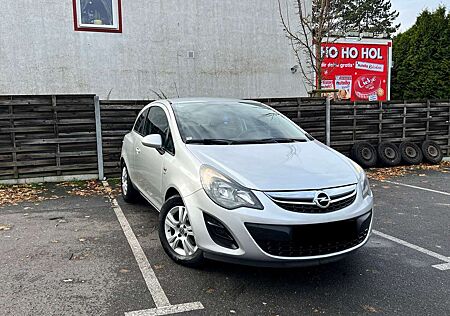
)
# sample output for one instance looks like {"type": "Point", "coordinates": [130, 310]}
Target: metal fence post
{"type": "Point", "coordinates": [328, 121]}
{"type": "Point", "coordinates": [98, 131]}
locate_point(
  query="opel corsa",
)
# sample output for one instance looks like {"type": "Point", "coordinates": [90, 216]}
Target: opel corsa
{"type": "Point", "coordinates": [238, 181]}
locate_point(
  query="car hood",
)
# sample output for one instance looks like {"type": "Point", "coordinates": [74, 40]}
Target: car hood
{"type": "Point", "coordinates": [276, 167]}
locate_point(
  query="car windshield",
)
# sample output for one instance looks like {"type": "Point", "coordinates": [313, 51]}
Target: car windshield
{"type": "Point", "coordinates": [224, 123]}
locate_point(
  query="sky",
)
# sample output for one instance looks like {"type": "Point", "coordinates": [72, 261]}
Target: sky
{"type": "Point", "coordinates": [410, 9]}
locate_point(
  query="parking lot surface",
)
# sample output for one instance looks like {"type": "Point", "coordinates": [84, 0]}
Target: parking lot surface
{"type": "Point", "coordinates": [74, 255]}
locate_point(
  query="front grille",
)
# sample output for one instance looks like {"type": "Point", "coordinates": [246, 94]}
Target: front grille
{"type": "Point", "coordinates": [312, 239]}
{"type": "Point", "coordinates": [303, 201]}
{"type": "Point", "coordinates": [310, 208]}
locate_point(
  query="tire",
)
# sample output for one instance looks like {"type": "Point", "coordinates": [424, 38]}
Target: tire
{"type": "Point", "coordinates": [364, 154]}
{"type": "Point", "coordinates": [411, 153]}
{"type": "Point", "coordinates": [183, 250]}
{"type": "Point", "coordinates": [432, 152]}
{"type": "Point", "coordinates": [129, 193]}
{"type": "Point", "coordinates": [389, 154]}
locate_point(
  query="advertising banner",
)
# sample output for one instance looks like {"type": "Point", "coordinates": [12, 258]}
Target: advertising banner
{"type": "Point", "coordinates": [359, 70]}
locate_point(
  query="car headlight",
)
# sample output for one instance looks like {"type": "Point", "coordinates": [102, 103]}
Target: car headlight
{"type": "Point", "coordinates": [365, 185]}
{"type": "Point", "coordinates": [225, 192]}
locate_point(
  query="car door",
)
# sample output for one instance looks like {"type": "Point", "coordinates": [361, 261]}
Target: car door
{"type": "Point", "coordinates": [136, 139]}
{"type": "Point", "coordinates": [150, 161]}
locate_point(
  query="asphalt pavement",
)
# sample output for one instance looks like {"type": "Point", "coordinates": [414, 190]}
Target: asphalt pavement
{"type": "Point", "coordinates": [72, 256]}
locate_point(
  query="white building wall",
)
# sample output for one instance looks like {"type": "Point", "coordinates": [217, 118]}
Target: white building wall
{"type": "Point", "coordinates": [240, 50]}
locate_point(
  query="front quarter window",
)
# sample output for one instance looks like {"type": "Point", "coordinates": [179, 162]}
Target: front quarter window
{"type": "Point", "coordinates": [139, 126]}
{"type": "Point", "coordinates": [159, 124]}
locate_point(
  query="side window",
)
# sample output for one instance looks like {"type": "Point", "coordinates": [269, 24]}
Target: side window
{"type": "Point", "coordinates": [139, 126]}
{"type": "Point", "coordinates": [159, 124]}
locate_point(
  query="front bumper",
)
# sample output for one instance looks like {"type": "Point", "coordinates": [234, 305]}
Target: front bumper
{"type": "Point", "coordinates": [255, 251]}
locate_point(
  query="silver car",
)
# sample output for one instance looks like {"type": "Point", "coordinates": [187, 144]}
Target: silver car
{"type": "Point", "coordinates": [237, 181]}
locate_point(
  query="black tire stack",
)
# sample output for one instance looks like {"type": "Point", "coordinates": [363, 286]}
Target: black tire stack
{"type": "Point", "coordinates": [388, 154]}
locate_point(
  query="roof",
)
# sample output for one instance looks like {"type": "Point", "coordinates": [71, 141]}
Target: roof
{"type": "Point", "coordinates": [204, 99]}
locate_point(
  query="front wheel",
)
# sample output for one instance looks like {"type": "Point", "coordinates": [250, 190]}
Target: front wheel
{"type": "Point", "coordinates": [176, 234]}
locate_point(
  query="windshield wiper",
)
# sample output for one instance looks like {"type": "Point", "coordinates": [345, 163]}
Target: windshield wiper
{"type": "Point", "coordinates": [283, 140]}
{"type": "Point", "coordinates": [222, 141]}
{"type": "Point", "coordinates": [210, 141]}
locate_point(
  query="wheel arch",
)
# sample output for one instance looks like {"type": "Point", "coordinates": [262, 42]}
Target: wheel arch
{"type": "Point", "coordinates": [171, 191]}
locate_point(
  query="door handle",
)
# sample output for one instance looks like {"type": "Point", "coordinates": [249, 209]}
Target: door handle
{"type": "Point", "coordinates": [138, 150]}
{"type": "Point", "coordinates": [164, 170]}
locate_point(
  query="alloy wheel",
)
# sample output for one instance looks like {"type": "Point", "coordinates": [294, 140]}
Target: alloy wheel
{"type": "Point", "coordinates": [178, 231]}
{"type": "Point", "coordinates": [124, 181]}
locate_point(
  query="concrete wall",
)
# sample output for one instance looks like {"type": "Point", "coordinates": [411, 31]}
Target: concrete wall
{"type": "Point", "coordinates": [240, 50]}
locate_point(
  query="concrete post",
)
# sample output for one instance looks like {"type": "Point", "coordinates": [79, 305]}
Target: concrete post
{"type": "Point", "coordinates": [328, 121]}
{"type": "Point", "coordinates": [98, 130]}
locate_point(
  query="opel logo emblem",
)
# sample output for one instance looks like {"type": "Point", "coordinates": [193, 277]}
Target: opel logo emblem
{"type": "Point", "coordinates": [322, 199]}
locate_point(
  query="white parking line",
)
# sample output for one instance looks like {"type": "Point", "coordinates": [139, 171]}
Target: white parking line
{"type": "Point", "coordinates": [442, 266]}
{"type": "Point", "coordinates": [163, 306]}
{"type": "Point", "coordinates": [167, 310]}
{"type": "Point", "coordinates": [416, 187]}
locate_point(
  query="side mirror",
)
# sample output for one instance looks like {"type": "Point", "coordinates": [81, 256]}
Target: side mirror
{"type": "Point", "coordinates": [153, 141]}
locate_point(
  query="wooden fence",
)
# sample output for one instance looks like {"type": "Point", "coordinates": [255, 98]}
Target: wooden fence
{"type": "Point", "coordinates": [394, 121]}
{"type": "Point", "coordinates": [350, 122]}
{"type": "Point", "coordinates": [117, 119]}
{"type": "Point", "coordinates": [44, 136]}
{"type": "Point", "coordinates": [56, 135]}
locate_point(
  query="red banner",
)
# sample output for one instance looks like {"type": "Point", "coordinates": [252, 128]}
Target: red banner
{"type": "Point", "coordinates": [360, 71]}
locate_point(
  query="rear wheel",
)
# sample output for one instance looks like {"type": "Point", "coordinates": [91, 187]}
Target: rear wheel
{"type": "Point", "coordinates": [176, 234]}
{"type": "Point", "coordinates": [411, 153]}
{"type": "Point", "coordinates": [129, 193]}
{"type": "Point", "coordinates": [432, 151]}
{"type": "Point", "coordinates": [389, 154]}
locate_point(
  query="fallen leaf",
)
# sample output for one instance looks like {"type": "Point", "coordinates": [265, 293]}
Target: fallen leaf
{"type": "Point", "coordinates": [370, 309]}
{"type": "Point", "coordinates": [5, 227]}
{"type": "Point", "coordinates": [399, 171]}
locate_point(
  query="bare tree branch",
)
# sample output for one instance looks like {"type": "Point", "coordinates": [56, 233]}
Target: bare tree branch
{"type": "Point", "coordinates": [313, 28]}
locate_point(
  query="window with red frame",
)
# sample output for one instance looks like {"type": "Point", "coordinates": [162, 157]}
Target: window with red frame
{"type": "Point", "coordinates": [98, 15]}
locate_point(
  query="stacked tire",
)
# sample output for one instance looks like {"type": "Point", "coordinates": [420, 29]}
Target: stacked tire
{"type": "Point", "coordinates": [388, 154]}
{"type": "Point", "coordinates": [411, 153]}
{"type": "Point", "coordinates": [432, 152]}
{"type": "Point", "coordinates": [364, 154]}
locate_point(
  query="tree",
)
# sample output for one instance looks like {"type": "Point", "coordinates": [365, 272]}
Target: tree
{"type": "Point", "coordinates": [375, 16]}
{"type": "Point", "coordinates": [421, 58]}
{"type": "Point", "coordinates": [311, 27]}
